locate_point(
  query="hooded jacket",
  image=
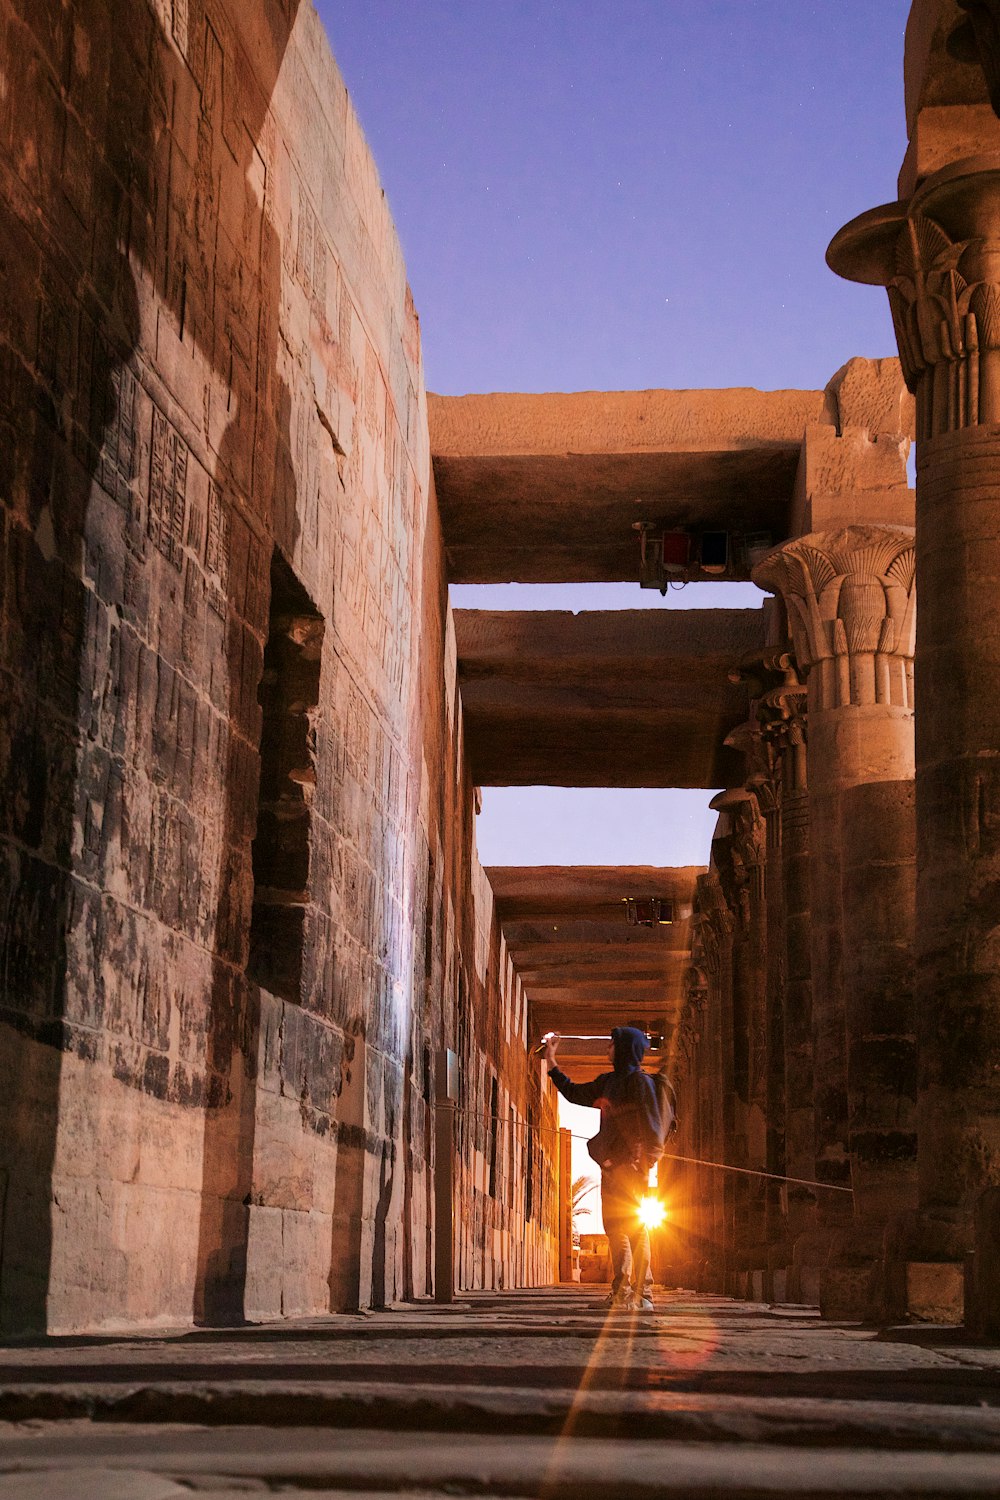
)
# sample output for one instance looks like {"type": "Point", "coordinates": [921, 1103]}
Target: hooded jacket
{"type": "Point", "coordinates": [631, 1128]}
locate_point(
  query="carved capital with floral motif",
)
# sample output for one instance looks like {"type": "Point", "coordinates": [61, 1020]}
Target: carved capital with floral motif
{"type": "Point", "coordinates": [938, 256]}
{"type": "Point", "coordinates": [851, 604]}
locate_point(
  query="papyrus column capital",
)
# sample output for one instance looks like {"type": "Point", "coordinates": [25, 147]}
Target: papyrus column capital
{"type": "Point", "coordinates": [851, 606]}
{"type": "Point", "coordinates": [938, 256]}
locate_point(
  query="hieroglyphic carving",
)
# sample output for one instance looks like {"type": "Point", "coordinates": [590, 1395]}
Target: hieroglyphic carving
{"type": "Point", "coordinates": [851, 607]}
{"type": "Point", "coordinates": [258, 583]}
{"type": "Point", "coordinates": [118, 451]}
{"type": "Point", "coordinates": [112, 422]}
{"type": "Point", "coordinates": [240, 88]}
{"type": "Point", "coordinates": [712, 925]}
{"type": "Point", "coordinates": [217, 549]}
{"type": "Point", "coordinates": [357, 733]}
{"type": "Point", "coordinates": [306, 245]}
{"type": "Point", "coordinates": [168, 464]}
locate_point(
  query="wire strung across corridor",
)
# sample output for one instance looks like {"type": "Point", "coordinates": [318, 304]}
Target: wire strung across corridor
{"type": "Point", "coordinates": [694, 1161]}
{"type": "Point", "coordinates": [697, 1161]}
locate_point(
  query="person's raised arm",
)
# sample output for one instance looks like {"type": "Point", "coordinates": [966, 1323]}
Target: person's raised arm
{"type": "Point", "coordinates": [577, 1093]}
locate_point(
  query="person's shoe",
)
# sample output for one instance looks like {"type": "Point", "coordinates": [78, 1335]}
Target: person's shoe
{"type": "Point", "coordinates": [643, 1304]}
{"type": "Point", "coordinates": [619, 1299]}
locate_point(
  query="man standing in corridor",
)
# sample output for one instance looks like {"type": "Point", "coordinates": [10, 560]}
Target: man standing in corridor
{"type": "Point", "coordinates": [628, 1141]}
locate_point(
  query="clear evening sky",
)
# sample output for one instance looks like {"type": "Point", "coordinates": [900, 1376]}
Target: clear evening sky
{"type": "Point", "coordinates": [619, 194]}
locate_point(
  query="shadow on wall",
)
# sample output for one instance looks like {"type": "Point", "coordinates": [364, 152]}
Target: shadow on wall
{"type": "Point", "coordinates": [105, 236]}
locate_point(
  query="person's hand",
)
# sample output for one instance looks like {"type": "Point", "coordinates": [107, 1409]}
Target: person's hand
{"type": "Point", "coordinates": [551, 1043]}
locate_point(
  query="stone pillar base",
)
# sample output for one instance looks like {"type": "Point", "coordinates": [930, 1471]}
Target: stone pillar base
{"type": "Point", "coordinates": [810, 1256]}
{"type": "Point", "coordinates": [935, 1291]}
{"type": "Point", "coordinates": [847, 1293]}
{"type": "Point", "coordinates": [858, 1283]}
{"type": "Point", "coordinates": [982, 1269]}
{"type": "Point", "coordinates": [779, 1260]}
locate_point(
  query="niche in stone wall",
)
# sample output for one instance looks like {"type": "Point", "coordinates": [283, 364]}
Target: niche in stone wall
{"type": "Point", "coordinates": [288, 695]}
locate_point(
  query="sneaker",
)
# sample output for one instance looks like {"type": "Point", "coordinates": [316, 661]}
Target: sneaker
{"type": "Point", "coordinates": [619, 1299]}
{"type": "Point", "coordinates": [642, 1304]}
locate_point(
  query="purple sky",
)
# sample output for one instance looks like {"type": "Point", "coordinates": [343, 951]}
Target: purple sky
{"type": "Point", "coordinates": [638, 193]}
{"type": "Point", "coordinates": [597, 195]}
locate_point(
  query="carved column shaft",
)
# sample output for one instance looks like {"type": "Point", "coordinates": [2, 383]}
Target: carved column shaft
{"type": "Point", "coordinates": [773, 1091]}
{"type": "Point", "coordinates": [788, 734]}
{"type": "Point", "coordinates": [850, 601]}
{"type": "Point", "coordinates": [939, 258]}
{"type": "Point", "coordinates": [738, 854]}
{"type": "Point", "coordinates": [715, 948]}
{"type": "Point", "coordinates": [958, 791]}
{"type": "Point", "coordinates": [800, 1124]}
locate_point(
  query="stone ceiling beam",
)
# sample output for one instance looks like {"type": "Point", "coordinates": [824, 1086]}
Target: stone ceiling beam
{"type": "Point", "coordinates": [637, 698]}
{"type": "Point", "coordinates": [547, 488]}
{"type": "Point", "coordinates": [583, 966]}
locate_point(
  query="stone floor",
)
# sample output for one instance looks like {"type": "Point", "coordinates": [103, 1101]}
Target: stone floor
{"type": "Point", "coordinates": [512, 1394]}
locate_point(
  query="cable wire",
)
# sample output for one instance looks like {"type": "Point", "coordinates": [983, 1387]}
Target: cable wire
{"type": "Point", "coordinates": [695, 1161]}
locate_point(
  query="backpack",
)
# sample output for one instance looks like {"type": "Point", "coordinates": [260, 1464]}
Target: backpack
{"type": "Point", "coordinates": [616, 1142]}
{"type": "Point", "coordinates": [666, 1098]}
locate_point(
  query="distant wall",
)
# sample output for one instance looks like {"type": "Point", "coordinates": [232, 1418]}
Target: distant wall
{"type": "Point", "coordinates": [240, 907]}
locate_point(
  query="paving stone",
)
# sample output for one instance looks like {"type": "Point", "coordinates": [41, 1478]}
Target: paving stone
{"type": "Point", "coordinates": [521, 1394]}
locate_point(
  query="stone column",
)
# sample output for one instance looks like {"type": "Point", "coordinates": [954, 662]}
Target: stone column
{"type": "Point", "coordinates": [689, 1187]}
{"type": "Point", "coordinates": [938, 255]}
{"type": "Point", "coordinates": [773, 1092]}
{"type": "Point", "coordinates": [849, 595]}
{"type": "Point", "coordinates": [739, 854]}
{"type": "Point", "coordinates": [786, 733]}
{"type": "Point", "coordinates": [773, 744]}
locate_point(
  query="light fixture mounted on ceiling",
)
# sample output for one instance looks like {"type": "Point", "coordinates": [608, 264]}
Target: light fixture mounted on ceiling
{"type": "Point", "coordinates": [649, 911]}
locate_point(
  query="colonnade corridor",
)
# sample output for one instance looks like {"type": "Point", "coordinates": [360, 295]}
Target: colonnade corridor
{"type": "Point", "coordinates": [524, 1393]}
{"type": "Point", "coordinates": [285, 1198]}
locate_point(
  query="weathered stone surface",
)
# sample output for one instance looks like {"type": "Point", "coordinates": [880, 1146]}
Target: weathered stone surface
{"type": "Point", "coordinates": [948, 113]}
{"type": "Point", "coordinates": [522, 1394]}
{"type": "Point", "coordinates": [615, 698]}
{"type": "Point", "coordinates": [233, 853]}
{"type": "Point", "coordinates": [935, 1291]}
{"type": "Point", "coordinates": [548, 488]}
{"type": "Point", "coordinates": [947, 220]}
{"type": "Point", "coordinates": [240, 907]}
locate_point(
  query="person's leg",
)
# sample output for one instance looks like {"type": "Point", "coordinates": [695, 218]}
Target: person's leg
{"type": "Point", "coordinates": [616, 1227]}
{"type": "Point", "coordinates": [642, 1276]}
{"type": "Point", "coordinates": [642, 1271]}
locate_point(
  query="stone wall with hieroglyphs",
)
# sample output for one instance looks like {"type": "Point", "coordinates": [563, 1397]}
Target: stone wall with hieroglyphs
{"type": "Point", "coordinates": [240, 907]}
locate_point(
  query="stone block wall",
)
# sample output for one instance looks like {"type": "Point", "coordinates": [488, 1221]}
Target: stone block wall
{"type": "Point", "coordinates": [240, 907]}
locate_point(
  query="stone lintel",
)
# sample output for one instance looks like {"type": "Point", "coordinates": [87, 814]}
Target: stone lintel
{"type": "Point", "coordinates": [853, 471]}
{"type": "Point", "coordinates": [586, 892]}
{"type": "Point", "coordinates": [547, 488]}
